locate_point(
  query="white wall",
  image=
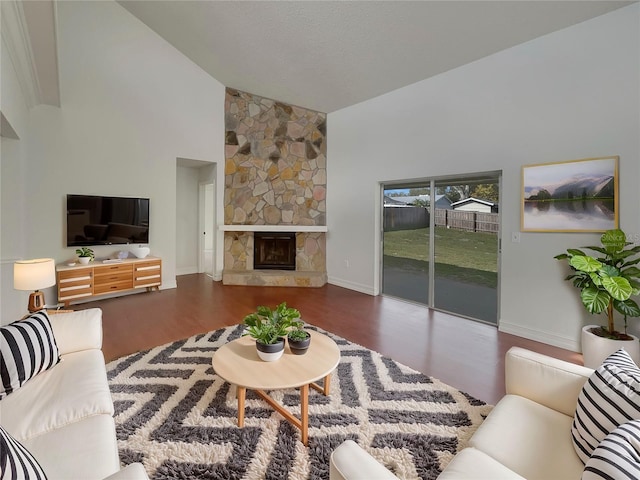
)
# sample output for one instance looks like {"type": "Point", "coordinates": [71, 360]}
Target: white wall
{"type": "Point", "coordinates": [569, 95]}
{"type": "Point", "coordinates": [187, 199]}
{"type": "Point", "coordinates": [131, 105]}
{"type": "Point", "coordinates": [13, 190]}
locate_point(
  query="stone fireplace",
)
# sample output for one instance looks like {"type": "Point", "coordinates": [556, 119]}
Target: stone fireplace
{"type": "Point", "coordinates": [275, 188]}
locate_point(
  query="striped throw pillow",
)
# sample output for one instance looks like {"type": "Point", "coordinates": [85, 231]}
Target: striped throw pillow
{"type": "Point", "coordinates": [609, 398]}
{"type": "Point", "coordinates": [16, 463]}
{"type": "Point", "coordinates": [27, 347]}
{"type": "Point", "coordinates": [617, 456]}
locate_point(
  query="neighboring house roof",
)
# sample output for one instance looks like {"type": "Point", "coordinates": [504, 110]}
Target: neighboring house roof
{"type": "Point", "coordinates": [443, 201]}
{"type": "Point", "coordinates": [408, 199]}
{"type": "Point", "coordinates": [473, 200]}
{"type": "Point", "coordinates": [393, 201]}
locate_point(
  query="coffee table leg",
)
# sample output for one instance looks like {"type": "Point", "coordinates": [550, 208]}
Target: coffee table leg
{"type": "Point", "coordinates": [304, 414]}
{"type": "Point", "coordinates": [241, 395]}
{"type": "Point", "coordinates": [327, 385]}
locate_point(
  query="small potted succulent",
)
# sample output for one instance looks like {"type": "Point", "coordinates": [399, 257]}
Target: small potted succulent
{"type": "Point", "coordinates": [85, 255]}
{"type": "Point", "coordinates": [269, 328]}
{"type": "Point", "coordinates": [299, 339]}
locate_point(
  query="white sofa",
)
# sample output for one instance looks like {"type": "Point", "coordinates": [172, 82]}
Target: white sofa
{"type": "Point", "coordinates": [526, 436]}
{"type": "Point", "coordinates": [64, 416]}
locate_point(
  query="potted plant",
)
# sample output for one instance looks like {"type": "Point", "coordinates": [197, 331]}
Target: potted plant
{"type": "Point", "coordinates": [299, 339]}
{"type": "Point", "coordinates": [269, 328]}
{"type": "Point", "coordinates": [85, 255]}
{"type": "Point", "coordinates": [606, 282]}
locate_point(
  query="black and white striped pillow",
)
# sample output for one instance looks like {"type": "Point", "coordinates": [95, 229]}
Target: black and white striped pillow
{"type": "Point", "coordinates": [617, 456]}
{"type": "Point", "coordinates": [27, 347]}
{"type": "Point", "coordinates": [16, 463]}
{"type": "Point", "coordinates": [609, 398]}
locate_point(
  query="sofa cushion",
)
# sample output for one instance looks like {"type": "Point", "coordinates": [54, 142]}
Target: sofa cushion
{"type": "Point", "coordinates": [27, 347]}
{"type": "Point", "coordinates": [85, 450]}
{"type": "Point", "coordinates": [608, 399]}
{"type": "Point", "coordinates": [472, 464]}
{"type": "Point", "coordinates": [15, 460]}
{"type": "Point", "coordinates": [78, 330]}
{"type": "Point", "coordinates": [530, 439]}
{"type": "Point", "coordinates": [76, 389]}
{"type": "Point", "coordinates": [617, 456]}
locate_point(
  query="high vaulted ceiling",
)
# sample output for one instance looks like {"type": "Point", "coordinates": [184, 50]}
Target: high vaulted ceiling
{"type": "Point", "coordinates": [327, 55]}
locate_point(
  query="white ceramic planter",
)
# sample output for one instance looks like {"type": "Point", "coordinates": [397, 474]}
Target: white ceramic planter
{"type": "Point", "coordinates": [84, 260]}
{"type": "Point", "coordinates": [595, 349]}
{"type": "Point", "coordinates": [270, 353]}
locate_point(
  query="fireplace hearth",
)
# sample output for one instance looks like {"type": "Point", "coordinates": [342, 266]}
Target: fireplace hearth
{"type": "Point", "coordinates": [274, 251]}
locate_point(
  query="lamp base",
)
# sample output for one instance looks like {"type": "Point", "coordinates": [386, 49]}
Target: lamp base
{"type": "Point", "coordinates": [36, 301]}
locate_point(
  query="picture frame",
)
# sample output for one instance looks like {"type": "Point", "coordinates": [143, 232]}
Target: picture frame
{"type": "Point", "coordinates": [570, 196]}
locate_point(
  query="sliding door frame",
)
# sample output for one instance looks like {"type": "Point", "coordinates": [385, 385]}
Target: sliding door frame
{"type": "Point", "coordinates": [432, 182]}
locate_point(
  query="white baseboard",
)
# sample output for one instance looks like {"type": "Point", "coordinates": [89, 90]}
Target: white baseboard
{"type": "Point", "coordinates": [572, 344]}
{"type": "Point", "coordinates": [186, 270]}
{"type": "Point", "coordinates": [358, 287]}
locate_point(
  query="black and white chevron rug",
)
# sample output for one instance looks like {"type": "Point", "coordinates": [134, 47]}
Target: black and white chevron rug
{"type": "Point", "coordinates": [177, 417]}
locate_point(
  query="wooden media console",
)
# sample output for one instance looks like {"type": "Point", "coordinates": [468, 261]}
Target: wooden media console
{"type": "Point", "coordinates": [80, 282]}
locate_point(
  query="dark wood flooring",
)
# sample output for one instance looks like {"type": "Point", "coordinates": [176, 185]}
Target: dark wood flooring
{"type": "Point", "coordinates": [460, 352]}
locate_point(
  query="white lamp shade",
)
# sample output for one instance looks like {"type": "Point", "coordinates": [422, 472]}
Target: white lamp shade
{"type": "Point", "coordinates": [34, 274]}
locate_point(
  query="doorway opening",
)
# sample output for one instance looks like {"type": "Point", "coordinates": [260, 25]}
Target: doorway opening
{"type": "Point", "coordinates": [440, 243]}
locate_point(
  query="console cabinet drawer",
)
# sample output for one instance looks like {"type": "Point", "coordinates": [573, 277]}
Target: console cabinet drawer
{"type": "Point", "coordinates": [147, 274]}
{"type": "Point", "coordinates": [112, 269]}
{"type": "Point", "coordinates": [110, 277]}
{"type": "Point", "coordinates": [112, 287]}
{"type": "Point", "coordinates": [77, 274]}
{"type": "Point", "coordinates": [73, 284]}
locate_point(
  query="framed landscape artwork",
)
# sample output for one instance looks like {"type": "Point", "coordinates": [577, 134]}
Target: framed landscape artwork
{"type": "Point", "coordinates": [572, 196]}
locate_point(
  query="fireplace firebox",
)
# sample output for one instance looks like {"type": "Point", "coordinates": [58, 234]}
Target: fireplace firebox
{"type": "Point", "coordinates": [274, 251]}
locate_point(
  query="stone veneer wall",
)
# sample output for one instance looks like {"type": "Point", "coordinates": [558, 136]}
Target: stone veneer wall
{"type": "Point", "coordinates": [275, 174]}
{"type": "Point", "coordinates": [275, 162]}
{"type": "Point", "coordinates": [310, 251]}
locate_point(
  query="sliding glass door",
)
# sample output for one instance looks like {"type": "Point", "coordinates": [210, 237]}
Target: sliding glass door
{"type": "Point", "coordinates": [442, 250]}
{"type": "Point", "coordinates": [406, 243]}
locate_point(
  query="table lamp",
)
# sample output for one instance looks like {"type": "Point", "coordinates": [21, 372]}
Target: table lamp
{"type": "Point", "coordinates": [34, 275]}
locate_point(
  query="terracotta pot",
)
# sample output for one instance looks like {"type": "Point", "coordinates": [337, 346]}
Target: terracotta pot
{"type": "Point", "coordinates": [271, 352]}
{"type": "Point", "coordinates": [595, 349]}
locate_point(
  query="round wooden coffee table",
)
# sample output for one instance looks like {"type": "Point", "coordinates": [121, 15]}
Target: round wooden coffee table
{"type": "Point", "coordinates": [237, 362]}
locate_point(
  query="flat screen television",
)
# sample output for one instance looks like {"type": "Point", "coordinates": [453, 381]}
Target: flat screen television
{"type": "Point", "coordinates": [98, 220]}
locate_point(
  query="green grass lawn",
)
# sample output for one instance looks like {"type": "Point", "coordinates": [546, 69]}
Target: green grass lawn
{"type": "Point", "coordinates": [470, 257]}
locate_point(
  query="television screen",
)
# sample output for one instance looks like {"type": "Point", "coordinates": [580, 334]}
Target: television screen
{"type": "Point", "coordinates": [98, 220]}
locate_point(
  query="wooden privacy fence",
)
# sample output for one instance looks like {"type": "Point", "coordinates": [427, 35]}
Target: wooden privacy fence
{"type": "Point", "coordinates": [409, 218]}
{"type": "Point", "coordinates": [405, 218]}
{"type": "Point", "coordinates": [469, 221]}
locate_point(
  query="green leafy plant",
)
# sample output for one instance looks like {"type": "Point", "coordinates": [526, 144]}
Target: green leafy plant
{"type": "Point", "coordinates": [267, 326]}
{"type": "Point", "coordinates": [85, 252]}
{"type": "Point", "coordinates": [297, 334]}
{"type": "Point", "coordinates": [607, 281]}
